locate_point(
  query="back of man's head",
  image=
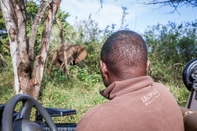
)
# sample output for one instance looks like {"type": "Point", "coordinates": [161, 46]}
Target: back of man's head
{"type": "Point", "coordinates": [125, 54]}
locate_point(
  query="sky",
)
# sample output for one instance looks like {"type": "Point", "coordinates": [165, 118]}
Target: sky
{"type": "Point", "coordinates": [139, 16]}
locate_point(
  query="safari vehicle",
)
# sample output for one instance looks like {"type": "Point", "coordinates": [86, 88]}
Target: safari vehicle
{"type": "Point", "coordinates": [20, 121]}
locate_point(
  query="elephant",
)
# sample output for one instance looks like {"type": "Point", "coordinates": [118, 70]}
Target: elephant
{"type": "Point", "coordinates": [67, 54]}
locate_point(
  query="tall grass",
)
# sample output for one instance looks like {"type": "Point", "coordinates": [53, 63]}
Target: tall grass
{"type": "Point", "coordinates": [74, 93]}
{"type": "Point", "coordinates": [6, 83]}
{"type": "Point", "coordinates": [80, 92]}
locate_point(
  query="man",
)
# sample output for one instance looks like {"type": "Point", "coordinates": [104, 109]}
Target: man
{"type": "Point", "coordinates": [136, 103]}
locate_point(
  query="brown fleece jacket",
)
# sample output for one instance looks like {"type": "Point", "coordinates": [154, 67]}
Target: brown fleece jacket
{"type": "Point", "coordinates": [136, 104]}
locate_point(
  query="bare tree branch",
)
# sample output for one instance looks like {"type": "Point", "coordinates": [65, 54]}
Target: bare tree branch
{"type": "Point", "coordinates": [21, 24]}
{"type": "Point", "coordinates": [173, 3]}
{"type": "Point", "coordinates": [34, 29]}
{"type": "Point", "coordinates": [61, 31]}
{"type": "Point", "coordinates": [2, 60]}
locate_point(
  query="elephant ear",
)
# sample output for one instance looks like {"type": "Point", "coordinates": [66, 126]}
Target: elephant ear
{"type": "Point", "coordinates": [81, 54]}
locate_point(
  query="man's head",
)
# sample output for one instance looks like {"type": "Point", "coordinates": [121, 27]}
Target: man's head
{"type": "Point", "coordinates": [123, 56]}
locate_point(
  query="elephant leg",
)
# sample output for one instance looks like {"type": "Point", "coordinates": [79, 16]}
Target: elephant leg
{"type": "Point", "coordinates": [70, 60]}
{"type": "Point", "coordinates": [59, 64]}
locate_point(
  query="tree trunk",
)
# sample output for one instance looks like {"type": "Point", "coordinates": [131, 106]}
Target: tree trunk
{"type": "Point", "coordinates": [28, 78]}
{"type": "Point", "coordinates": [11, 22]}
{"type": "Point", "coordinates": [39, 63]}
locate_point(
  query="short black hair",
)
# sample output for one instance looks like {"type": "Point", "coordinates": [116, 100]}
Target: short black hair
{"type": "Point", "coordinates": [124, 49]}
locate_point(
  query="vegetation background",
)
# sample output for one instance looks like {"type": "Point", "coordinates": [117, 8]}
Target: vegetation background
{"type": "Point", "coordinates": [170, 48]}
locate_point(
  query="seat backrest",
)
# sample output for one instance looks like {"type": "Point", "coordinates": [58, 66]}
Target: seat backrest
{"type": "Point", "coordinates": [189, 118]}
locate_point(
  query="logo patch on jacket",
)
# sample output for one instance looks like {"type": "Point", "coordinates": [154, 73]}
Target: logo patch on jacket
{"type": "Point", "coordinates": [150, 97]}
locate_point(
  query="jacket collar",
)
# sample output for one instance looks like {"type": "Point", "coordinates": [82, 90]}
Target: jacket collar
{"type": "Point", "coordinates": [118, 88]}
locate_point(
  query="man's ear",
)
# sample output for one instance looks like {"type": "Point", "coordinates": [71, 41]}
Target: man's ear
{"type": "Point", "coordinates": [104, 70]}
{"type": "Point", "coordinates": [147, 65]}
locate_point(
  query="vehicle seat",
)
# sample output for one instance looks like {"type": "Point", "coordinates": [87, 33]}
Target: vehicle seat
{"type": "Point", "coordinates": [189, 118]}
